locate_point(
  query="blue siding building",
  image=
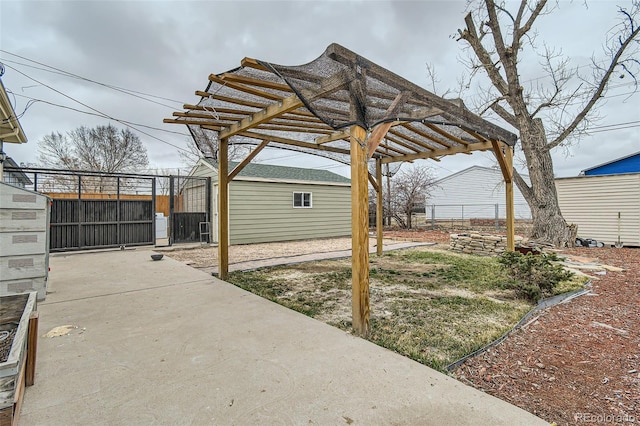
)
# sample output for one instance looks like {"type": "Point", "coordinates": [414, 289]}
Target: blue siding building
{"type": "Point", "coordinates": [628, 164]}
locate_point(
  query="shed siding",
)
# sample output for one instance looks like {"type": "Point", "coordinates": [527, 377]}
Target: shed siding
{"type": "Point", "coordinates": [593, 203]}
{"type": "Point", "coordinates": [473, 193]}
{"type": "Point", "coordinates": [264, 212]}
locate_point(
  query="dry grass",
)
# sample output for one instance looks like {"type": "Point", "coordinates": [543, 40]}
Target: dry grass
{"type": "Point", "coordinates": [432, 306]}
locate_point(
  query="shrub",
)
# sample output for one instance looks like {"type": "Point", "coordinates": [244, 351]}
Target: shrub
{"type": "Point", "coordinates": [533, 277]}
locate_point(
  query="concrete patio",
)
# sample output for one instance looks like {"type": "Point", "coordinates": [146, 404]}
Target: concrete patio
{"type": "Point", "coordinates": [163, 343]}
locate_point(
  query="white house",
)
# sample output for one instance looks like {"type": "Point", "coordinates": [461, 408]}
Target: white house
{"type": "Point", "coordinates": [474, 193]}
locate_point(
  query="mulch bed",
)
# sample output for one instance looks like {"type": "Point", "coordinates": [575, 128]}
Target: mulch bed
{"type": "Point", "coordinates": [574, 363]}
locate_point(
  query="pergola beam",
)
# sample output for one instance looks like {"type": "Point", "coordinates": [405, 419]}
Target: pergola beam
{"type": "Point", "coordinates": [245, 89]}
{"type": "Point", "coordinates": [238, 168]}
{"type": "Point", "coordinates": [451, 111]}
{"type": "Point", "coordinates": [330, 84]}
{"type": "Point", "coordinates": [502, 161]}
{"type": "Point", "coordinates": [253, 82]}
{"type": "Point", "coordinates": [335, 136]}
{"type": "Point", "coordinates": [440, 152]}
{"type": "Point", "coordinates": [292, 142]}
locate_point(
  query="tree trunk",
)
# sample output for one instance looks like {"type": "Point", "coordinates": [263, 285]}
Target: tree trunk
{"type": "Point", "coordinates": [548, 224]}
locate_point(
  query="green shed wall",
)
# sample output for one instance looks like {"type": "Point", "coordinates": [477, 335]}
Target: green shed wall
{"type": "Point", "coordinates": [263, 212]}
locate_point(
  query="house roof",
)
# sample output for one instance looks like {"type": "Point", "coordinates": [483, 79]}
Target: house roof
{"type": "Point", "coordinates": [267, 171]}
{"type": "Point", "coordinates": [10, 128]}
{"type": "Point", "coordinates": [582, 172]}
{"type": "Point", "coordinates": [19, 175]}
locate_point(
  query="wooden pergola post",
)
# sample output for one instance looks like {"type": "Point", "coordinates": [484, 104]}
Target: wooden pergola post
{"type": "Point", "coordinates": [223, 209]}
{"type": "Point", "coordinates": [504, 155]}
{"type": "Point", "coordinates": [359, 231]}
{"type": "Point", "coordinates": [379, 211]}
{"type": "Point", "coordinates": [511, 225]}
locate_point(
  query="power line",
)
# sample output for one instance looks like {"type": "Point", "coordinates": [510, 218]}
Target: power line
{"type": "Point", "coordinates": [35, 100]}
{"type": "Point", "coordinates": [59, 71]}
{"type": "Point", "coordinates": [100, 112]}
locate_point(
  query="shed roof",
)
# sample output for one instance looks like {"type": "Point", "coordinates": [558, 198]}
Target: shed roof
{"type": "Point", "coordinates": [626, 157]}
{"type": "Point", "coordinates": [268, 171]}
{"type": "Point", "coordinates": [310, 108]}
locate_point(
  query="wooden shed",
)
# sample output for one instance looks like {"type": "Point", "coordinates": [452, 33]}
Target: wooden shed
{"type": "Point", "coordinates": [344, 107]}
{"type": "Point", "coordinates": [270, 203]}
{"type": "Point", "coordinates": [606, 208]}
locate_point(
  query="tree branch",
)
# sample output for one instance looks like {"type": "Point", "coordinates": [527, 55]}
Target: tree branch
{"type": "Point", "coordinates": [523, 186]}
{"type": "Point", "coordinates": [615, 61]}
{"type": "Point", "coordinates": [470, 35]}
{"type": "Point", "coordinates": [527, 26]}
{"type": "Point", "coordinates": [504, 114]}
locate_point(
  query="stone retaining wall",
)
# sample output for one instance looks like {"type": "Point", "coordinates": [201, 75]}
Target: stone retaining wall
{"type": "Point", "coordinates": [479, 244]}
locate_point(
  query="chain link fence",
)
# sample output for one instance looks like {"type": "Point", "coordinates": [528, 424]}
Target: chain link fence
{"type": "Point", "coordinates": [487, 217]}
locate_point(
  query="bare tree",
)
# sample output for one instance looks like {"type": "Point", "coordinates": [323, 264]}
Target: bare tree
{"type": "Point", "coordinates": [545, 117]}
{"type": "Point", "coordinates": [409, 191]}
{"type": "Point", "coordinates": [204, 144]}
{"type": "Point", "coordinates": [103, 149]}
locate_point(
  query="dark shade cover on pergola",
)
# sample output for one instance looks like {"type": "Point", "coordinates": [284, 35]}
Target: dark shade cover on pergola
{"type": "Point", "coordinates": [345, 107]}
{"type": "Point", "coordinates": [323, 98]}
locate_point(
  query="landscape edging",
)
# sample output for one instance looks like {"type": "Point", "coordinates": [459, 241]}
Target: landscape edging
{"type": "Point", "coordinates": [543, 304]}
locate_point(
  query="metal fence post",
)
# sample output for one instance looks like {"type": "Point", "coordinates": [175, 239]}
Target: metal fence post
{"type": "Point", "coordinates": [171, 212]}
{"type": "Point", "coordinates": [433, 216]}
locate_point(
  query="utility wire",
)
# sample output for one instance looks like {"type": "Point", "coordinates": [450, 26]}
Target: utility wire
{"type": "Point", "coordinates": [187, 152]}
{"type": "Point", "coordinates": [36, 100]}
{"type": "Point", "coordinates": [130, 92]}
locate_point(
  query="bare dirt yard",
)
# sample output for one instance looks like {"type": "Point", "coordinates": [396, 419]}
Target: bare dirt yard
{"type": "Point", "coordinates": [207, 256]}
{"type": "Point", "coordinates": [574, 363]}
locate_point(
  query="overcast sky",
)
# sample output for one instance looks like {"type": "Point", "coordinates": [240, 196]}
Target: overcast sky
{"type": "Point", "coordinates": [168, 49]}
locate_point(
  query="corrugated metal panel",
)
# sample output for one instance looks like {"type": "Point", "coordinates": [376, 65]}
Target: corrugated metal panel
{"type": "Point", "coordinates": [263, 212]}
{"type": "Point", "coordinates": [593, 203]}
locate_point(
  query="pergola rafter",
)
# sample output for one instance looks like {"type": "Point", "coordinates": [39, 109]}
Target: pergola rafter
{"type": "Point", "coordinates": [346, 108]}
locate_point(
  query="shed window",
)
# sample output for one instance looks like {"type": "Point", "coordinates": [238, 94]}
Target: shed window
{"type": "Point", "coordinates": [302, 199]}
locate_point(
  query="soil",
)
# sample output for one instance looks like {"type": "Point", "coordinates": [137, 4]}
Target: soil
{"type": "Point", "coordinates": [202, 257]}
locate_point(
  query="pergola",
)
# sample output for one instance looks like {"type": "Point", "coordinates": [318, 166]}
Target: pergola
{"type": "Point", "coordinates": [345, 107]}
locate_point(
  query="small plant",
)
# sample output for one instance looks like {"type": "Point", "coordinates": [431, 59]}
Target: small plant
{"type": "Point", "coordinates": [533, 276]}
